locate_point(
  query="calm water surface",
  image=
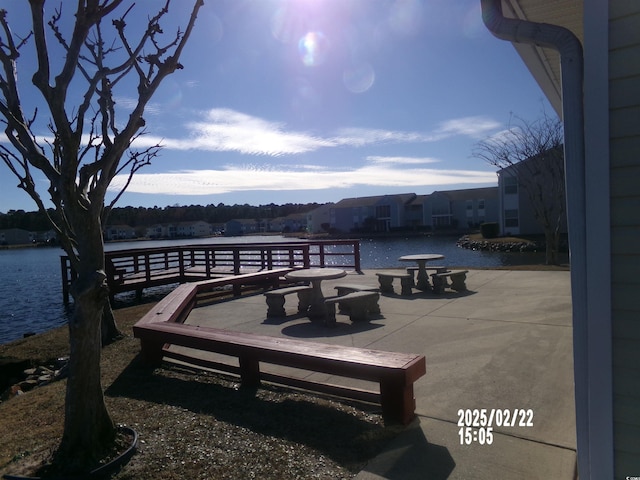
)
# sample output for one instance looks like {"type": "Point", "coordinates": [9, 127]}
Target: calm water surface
{"type": "Point", "coordinates": [31, 292]}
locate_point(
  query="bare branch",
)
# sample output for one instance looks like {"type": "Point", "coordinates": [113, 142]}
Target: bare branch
{"type": "Point", "coordinates": [136, 161]}
{"type": "Point", "coordinates": [532, 153]}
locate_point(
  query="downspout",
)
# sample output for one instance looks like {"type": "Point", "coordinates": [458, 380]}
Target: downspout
{"type": "Point", "coordinates": [570, 49]}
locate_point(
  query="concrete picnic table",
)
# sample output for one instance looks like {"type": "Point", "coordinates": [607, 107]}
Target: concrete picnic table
{"type": "Point", "coordinates": [315, 276]}
{"type": "Point", "coordinates": [421, 259]}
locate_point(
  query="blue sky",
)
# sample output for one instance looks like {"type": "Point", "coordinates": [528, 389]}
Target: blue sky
{"type": "Point", "coordinates": [295, 101]}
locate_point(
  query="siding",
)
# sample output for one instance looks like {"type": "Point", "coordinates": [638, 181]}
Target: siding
{"type": "Point", "coordinates": [624, 111]}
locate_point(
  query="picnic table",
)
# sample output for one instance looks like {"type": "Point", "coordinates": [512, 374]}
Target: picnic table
{"type": "Point", "coordinates": [315, 276]}
{"type": "Point", "coordinates": [422, 280]}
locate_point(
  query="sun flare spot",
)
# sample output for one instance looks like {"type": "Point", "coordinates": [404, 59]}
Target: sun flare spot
{"type": "Point", "coordinates": [359, 78]}
{"type": "Point", "coordinates": [313, 48]}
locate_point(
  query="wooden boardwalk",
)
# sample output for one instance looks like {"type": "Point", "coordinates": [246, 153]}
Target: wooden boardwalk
{"type": "Point", "coordinates": [137, 269]}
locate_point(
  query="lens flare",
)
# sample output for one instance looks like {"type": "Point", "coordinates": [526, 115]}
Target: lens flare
{"type": "Point", "coordinates": [406, 16]}
{"type": "Point", "coordinates": [313, 49]}
{"type": "Point", "coordinates": [359, 78]}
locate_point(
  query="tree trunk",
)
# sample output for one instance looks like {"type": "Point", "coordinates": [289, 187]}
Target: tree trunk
{"type": "Point", "coordinates": [552, 243]}
{"type": "Point", "coordinates": [109, 330]}
{"type": "Point", "coordinates": [88, 429]}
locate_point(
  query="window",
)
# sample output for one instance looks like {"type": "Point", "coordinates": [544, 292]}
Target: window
{"type": "Point", "coordinates": [383, 211]}
{"type": "Point", "coordinates": [441, 221]}
{"type": "Point", "coordinates": [511, 218]}
{"type": "Point", "coordinates": [469, 208]}
{"type": "Point", "coordinates": [510, 185]}
{"type": "Point", "coordinates": [481, 207]}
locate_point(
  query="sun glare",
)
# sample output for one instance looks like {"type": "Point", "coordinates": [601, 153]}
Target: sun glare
{"type": "Point", "coordinates": [313, 48]}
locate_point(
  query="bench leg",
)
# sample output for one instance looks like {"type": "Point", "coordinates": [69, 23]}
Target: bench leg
{"type": "Point", "coordinates": [358, 311]}
{"type": "Point", "coordinates": [330, 317]}
{"type": "Point", "coordinates": [458, 282]}
{"type": "Point", "coordinates": [249, 372]}
{"type": "Point", "coordinates": [398, 402]}
{"type": "Point", "coordinates": [438, 283]}
{"type": "Point", "coordinates": [304, 301]}
{"type": "Point", "coordinates": [386, 284]}
{"type": "Point", "coordinates": [275, 306]}
{"type": "Point", "coordinates": [373, 306]}
{"type": "Point", "coordinates": [406, 284]}
{"type": "Point", "coordinates": [342, 306]}
{"type": "Point", "coordinates": [151, 352]}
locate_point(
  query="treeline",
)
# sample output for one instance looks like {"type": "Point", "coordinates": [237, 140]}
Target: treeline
{"type": "Point", "coordinates": [143, 217]}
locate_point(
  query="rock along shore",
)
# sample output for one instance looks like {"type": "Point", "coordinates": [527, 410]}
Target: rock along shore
{"type": "Point", "coordinates": [499, 246]}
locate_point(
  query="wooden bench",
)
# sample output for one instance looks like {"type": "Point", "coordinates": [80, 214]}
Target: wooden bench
{"type": "Point", "coordinates": [275, 300]}
{"type": "Point", "coordinates": [386, 282]}
{"type": "Point", "coordinates": [359, 305]}
{"type": "Point", "coordinates": [394, 372]}
{"type": "Point", "coordinates": [176, 306]}
{"type": "Point", "coordinates": [457, 278]}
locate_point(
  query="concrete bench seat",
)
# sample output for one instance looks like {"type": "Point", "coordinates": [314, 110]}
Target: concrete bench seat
{"type": "Point", "coordinates": [435, 268]}
{"type": "Point", "coordinates": [457, 278]}
{"type": "Point", "coordinates": [275, 300]}
{"type": "Point", "coordinates": [386, 282]}
{"type": "Point", "coordinates": [346, 288]}
{"type": "Point", "coordinates": [395, 372]}
{"type": "Point", "coordinates": [359, 305]}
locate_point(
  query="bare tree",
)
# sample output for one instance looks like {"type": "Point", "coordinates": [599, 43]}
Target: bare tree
{"type": "Point", "coordinates": [86, 147]}
{"type": "Point", "coordinates": [532, 152]}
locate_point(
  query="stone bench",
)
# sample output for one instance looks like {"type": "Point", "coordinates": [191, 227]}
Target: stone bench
{"type": "Point", "coordinates": [457, 278]}
{"type": "Point", "coordinates": [386, 282]}
{"type": "Point", "coordinates": [275, 300]}
{"type": "Point", "coordinates": [435, 268]}
{"type": "Point", "coordinates": [359, 305]}
{"type": "Point", "coordinates": [395, 372]}
{"type": "Point", "coordinates": [345, 288]}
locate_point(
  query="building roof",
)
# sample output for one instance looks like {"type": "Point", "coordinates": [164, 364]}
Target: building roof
{"type": "Point", "coordinates": [469, 193]}
{"type": "Point", "coordinates": [374, 200]}
{"type": "Point", "coordinates": [544, 63]}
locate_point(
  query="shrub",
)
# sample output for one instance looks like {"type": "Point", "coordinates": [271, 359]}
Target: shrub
{"type": "Point", "coordinates": [489, 230]}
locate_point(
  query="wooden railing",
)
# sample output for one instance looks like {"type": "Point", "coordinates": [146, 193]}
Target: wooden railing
{"type": "Point", "coordinates": [136, 269]}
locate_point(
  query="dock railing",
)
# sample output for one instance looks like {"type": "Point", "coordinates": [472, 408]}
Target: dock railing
{"type": "Point", "coordinates": [140, 268]}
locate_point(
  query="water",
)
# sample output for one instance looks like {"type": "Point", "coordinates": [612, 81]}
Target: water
{"type": "Point", "coordinates": [31, 291]}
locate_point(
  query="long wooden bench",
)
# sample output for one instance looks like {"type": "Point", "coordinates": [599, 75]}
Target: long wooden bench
{"type": "Point", "coordinates": [359, 305]}
{"type": "Point", "coordinates": [457, 278]}
{"type": "Point", "coordinates": [386, 282]}
{"type": "Point", "coordinates": [394, 372]}
{"type": "Point", "coordinates": [176, 306]}
{"type": "Point", "coordinates": [275, 300]}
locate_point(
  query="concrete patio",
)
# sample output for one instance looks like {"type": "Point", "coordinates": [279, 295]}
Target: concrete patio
{"type": "Point", "coordinates": [506, 343]}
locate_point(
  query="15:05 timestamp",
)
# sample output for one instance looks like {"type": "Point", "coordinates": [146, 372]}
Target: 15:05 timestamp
{"type": "Point", "coordinates": [482, 435]}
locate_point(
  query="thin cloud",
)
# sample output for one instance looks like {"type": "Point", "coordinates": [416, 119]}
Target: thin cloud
{"type": "Point", "coordinates": [401, 160]}
{"type": "Point", "coordinates": [128, 104]}
{"type": "Point", "coordinates": [251, 178]}
{"type": "Point", "coordinates": [475, 127]}
{"type": "Point", "coordinates": [223, 129]}
{"type": "Point", "coordinates": [360, 137]}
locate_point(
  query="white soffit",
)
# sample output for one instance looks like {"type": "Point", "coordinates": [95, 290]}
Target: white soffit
{"type": "Point", "coordinates": [544, 63]}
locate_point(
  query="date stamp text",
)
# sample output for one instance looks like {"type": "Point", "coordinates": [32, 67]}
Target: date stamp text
{"type": "Point", "coordinates": [477, 424]}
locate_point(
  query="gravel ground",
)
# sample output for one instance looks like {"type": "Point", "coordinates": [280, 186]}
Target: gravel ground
{"type": "Point", "coordinates": [194, 424]}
